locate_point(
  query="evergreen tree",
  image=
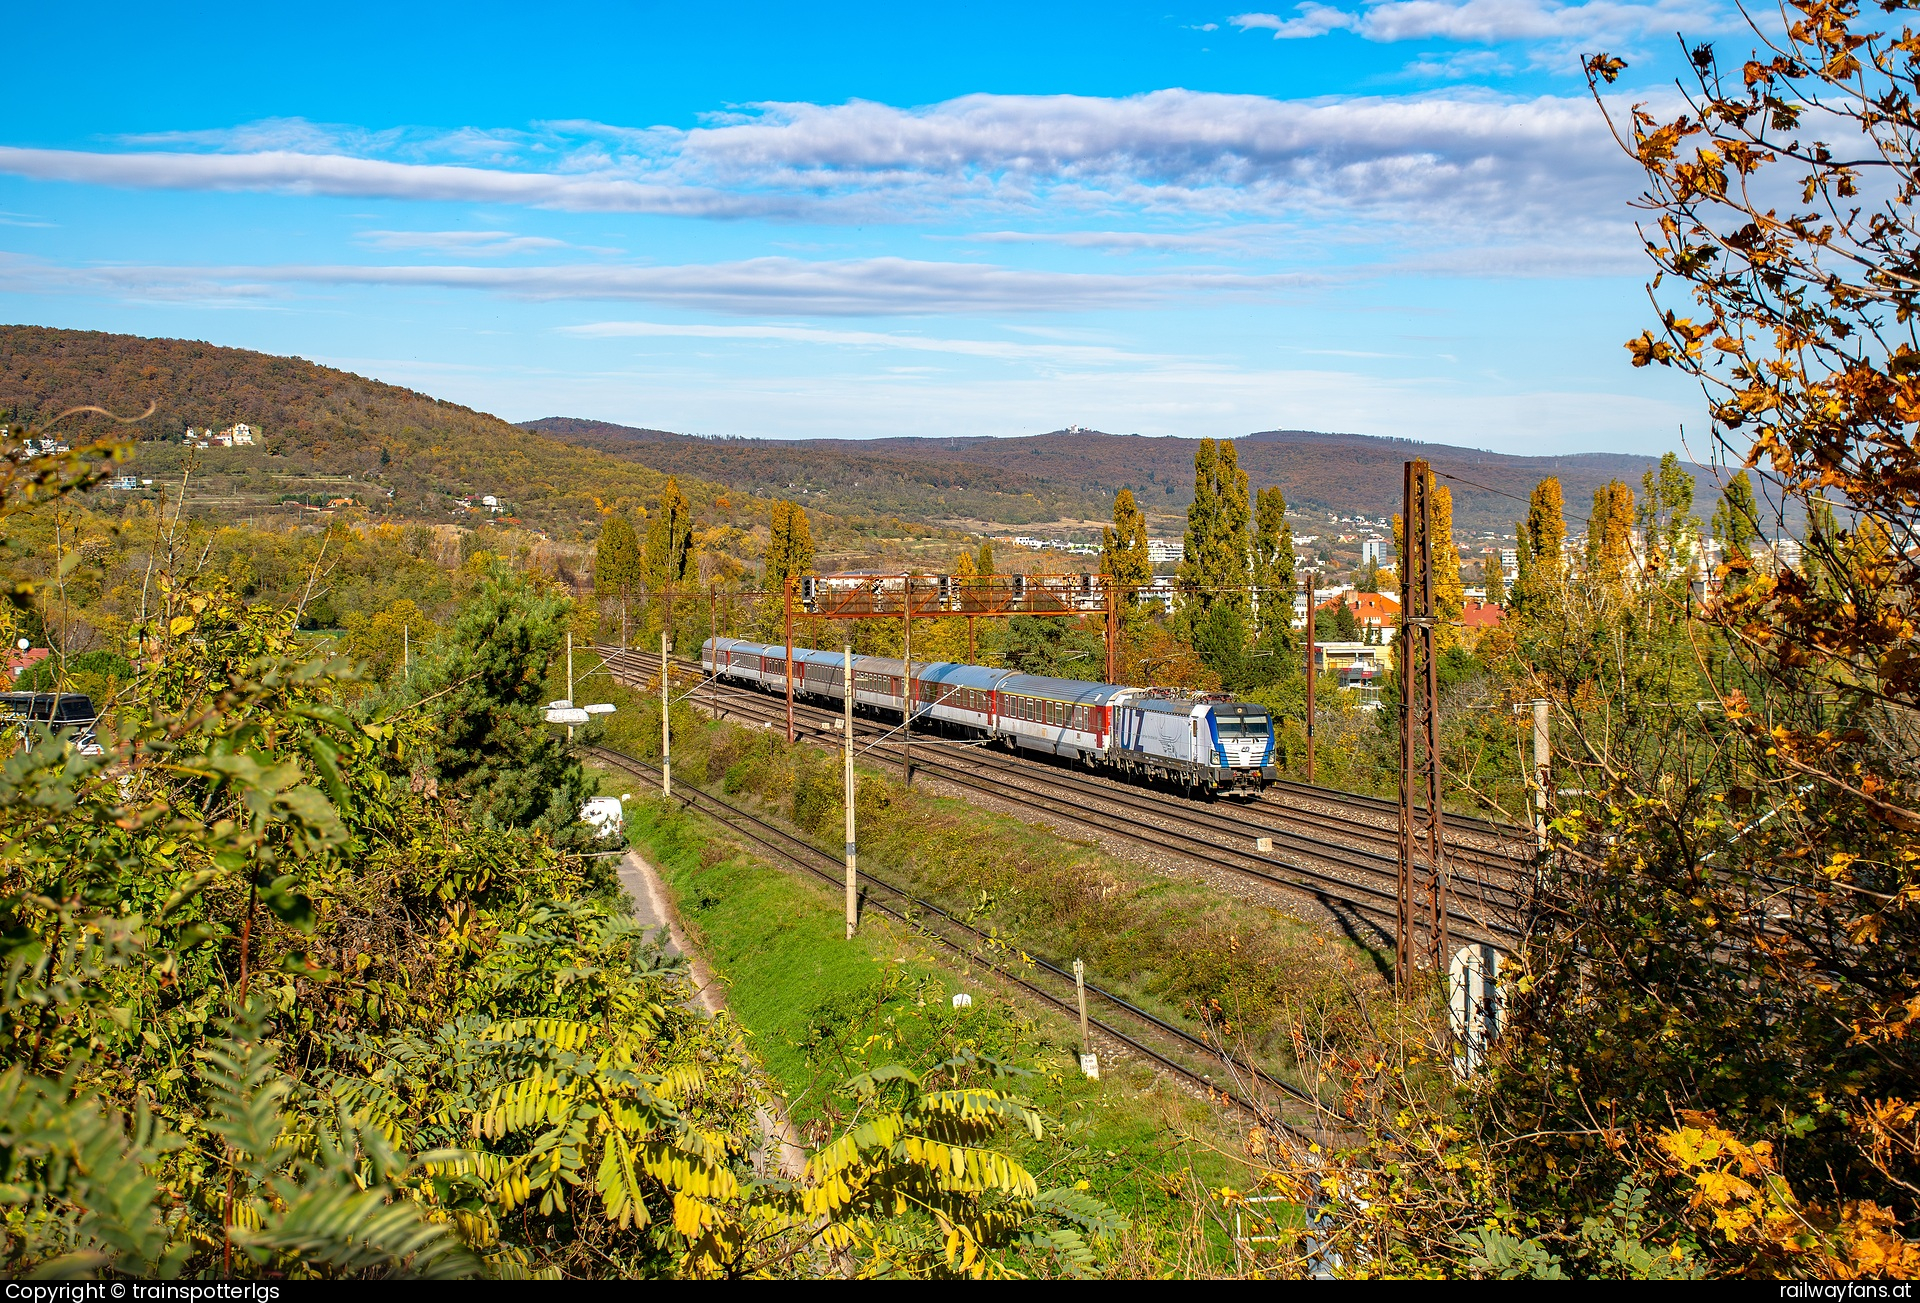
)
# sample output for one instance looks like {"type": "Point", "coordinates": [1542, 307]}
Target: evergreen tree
{"type": "Point", "coordinates": [494, 748]}
{"type": "Point", "coordinates": [1273, 562]}
{"type": "Point", "coordinates": [616, 564]}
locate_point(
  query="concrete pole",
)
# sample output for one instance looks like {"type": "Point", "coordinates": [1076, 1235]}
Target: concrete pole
{"type": "Point", "coordinates": [906, 675]}
{"type": "Point", "coordinates": [789, 671]}
{"type": "Point", "coordinates": [406, 652]}
{"type": "Point", "coordinates": [569, 680]}
{"type": "Point", "coordinates": [666, 733]}
{"type": "Point", "coordinates": [1080, 994]}
{"type": "Point", "coordinates": [1312, 579]}
{"type": "Point", "coordinates": [1542, 770]}
{"type": "Point", "coordinates": [853, 872]}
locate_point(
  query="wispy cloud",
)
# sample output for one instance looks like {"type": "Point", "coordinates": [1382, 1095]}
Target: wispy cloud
{"type": "Point", "coordinates": [758, 286]}
{"type": "Point", "coordinates": [866, 339]}
{"type": "Point", "coordinates": [1487, 21]}
{"type": "Point", "coordinates": [470, 243]}
{"type": "Point", "coordinates": [1422, 160]}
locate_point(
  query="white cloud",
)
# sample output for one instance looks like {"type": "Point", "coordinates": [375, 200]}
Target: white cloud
{"type": "Point", "coordinates": [1488, 21]}
{"type": "Point", "coordinates": [472, 243]}
{"type": "Point", "coordinates": [1314, 20]}
{"type": "Point", "coordinates": [1427, 160]}
{"type": "Point", "coordinates": [864, 339]}
{"type": "Point", "coordinates": [786, 286]}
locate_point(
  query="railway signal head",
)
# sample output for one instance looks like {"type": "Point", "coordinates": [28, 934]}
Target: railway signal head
{"type": "Point", "coordinates": [809, 587]}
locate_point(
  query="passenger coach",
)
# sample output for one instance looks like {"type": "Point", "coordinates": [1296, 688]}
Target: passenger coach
{"type": "Point", "coordinates": [1198, 744]}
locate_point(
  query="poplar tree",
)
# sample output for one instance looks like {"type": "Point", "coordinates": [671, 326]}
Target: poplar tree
{"type": "Point", "coordinates": [1666, 516]}
{"type": "Point", "coordinates": [1542, 568]}
{"type": "Point", "coordinates": [1273, 562]}
{"type": "Point", "coordinates": [790, 548]}
{"type": "Point", "coordinates": [1219, 548]}
{"type": "Point", "coordinates": [616, 563]}
{"type": "Point", "coordinates": [1610, 538]}
{"type": "Point", "coordinates": [1123, 556]}
{"type": "Point", "coordinates": [1736, 521]}
{"type": "Point", "coordinates": [1449, 590]}
{"type": "Point", "coordinates": [669, 538]}
{"type": "Point", "coordinates": [1493, 577]}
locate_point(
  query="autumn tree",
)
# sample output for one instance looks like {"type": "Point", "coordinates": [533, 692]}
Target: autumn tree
{"type": "Point", "coordinates": [1493, 577]}
{"type": "Point", "coordinates": [1666, 517]}
{"type": "Point", "coordinates": [789, 546]}
{"type": "Point", "coordinates": [1610, 539]}
{"type": "Point", "coordinates": [1738, 916]}
{"type": "Point", "coordinates": [1449, 590]}
{"type": "Point", "coordinates": [1542, 535]}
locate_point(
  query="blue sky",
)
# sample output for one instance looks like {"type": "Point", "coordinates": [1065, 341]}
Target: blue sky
{"type": "Point", "coordinates": [1397, 218]}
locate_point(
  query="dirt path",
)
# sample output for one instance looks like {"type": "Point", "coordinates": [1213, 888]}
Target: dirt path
{"type": "Point", "coordinates": [653, 909]}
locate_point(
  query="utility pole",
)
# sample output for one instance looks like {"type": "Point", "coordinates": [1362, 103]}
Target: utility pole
{"type": "Point", "coordinates": [1089, 1066]}
{"type": "Point", "coordinates": [906, 675]}
{"type": "Point", "coordinates": [853, 872]}
{"type": "Point", "coordinates": [406, 656]}
{"type": "Point", "coordinates": [569, 679]}
{"type": "Point", "coordinates": [1312, 673]}
{"type": "Point", "coordinates": [789, 675]}
{"type": "Point", "coordinates": [713, 633]}
{"type": "Point", "coordinates": [666, 733]}
{"type": "Point", "coordinates": [1113, 630]}
{"type": "Point", "coordinates": [1542, 770]}
{"type": "Point", "coordinates": [1423, 873]}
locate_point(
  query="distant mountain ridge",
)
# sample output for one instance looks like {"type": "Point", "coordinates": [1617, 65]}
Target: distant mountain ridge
{"type": "Point", "coordinates": [1074, 474]}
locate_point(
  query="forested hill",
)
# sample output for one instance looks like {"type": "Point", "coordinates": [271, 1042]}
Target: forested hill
{"type": "Point", "coordinates": [319, 426]}
{"type": "Point", "coordinates": [1074, 474]}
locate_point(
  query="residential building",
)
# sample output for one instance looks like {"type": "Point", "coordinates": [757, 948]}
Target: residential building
{"type": "Point", "coordinates": [1370, 550]}
{"type": "Point", "coordinates": [1371, 611]}
{"type": "Point", "coordinates": [1162, 551]}
{"type": "Point", "coordinates": [22, 659]}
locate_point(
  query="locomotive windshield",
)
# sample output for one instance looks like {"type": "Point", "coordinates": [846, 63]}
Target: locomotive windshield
{"type": "Point", "coordinates": [1240, 720]}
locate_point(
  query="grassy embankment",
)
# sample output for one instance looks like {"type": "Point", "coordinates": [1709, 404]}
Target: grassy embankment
{"type": "Point", "coordinates": [821, 1009]}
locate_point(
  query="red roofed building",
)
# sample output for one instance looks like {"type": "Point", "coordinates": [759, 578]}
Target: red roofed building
{"type": "Point", "coordinates": [19, 662]}
{"type": "Point", "coordinates": [1370, 611]}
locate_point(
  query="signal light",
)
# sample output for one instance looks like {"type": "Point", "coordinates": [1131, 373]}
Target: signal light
{"type": "Point", "coordinates": [1019, 588]}
{"type": "Point", "coordinates": [809, 586]}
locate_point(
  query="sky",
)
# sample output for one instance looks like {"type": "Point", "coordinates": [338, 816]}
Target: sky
{"type": "Point", "coordinates": [1401, 218]}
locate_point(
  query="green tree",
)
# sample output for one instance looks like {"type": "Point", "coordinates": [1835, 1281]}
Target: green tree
{"type": "Point", "coordinates": [1493, 577]}
{"type": "Point", "coordinates": [1219, 546]}
{"type": "Point", "coordinates": [1123, 556]}
{"type": "Point", "coordinates": [1273, 563]}
{"type": "Point", "coordinates": [1736, 524]}
{"type": "Point", "coordinates": [669, 551]}
{"type": "Point", "coordinates": [616, 565]}
{"type": "Point", "coordinates": [495, 751]}
{"type": "Point", "coordinates": [1666, 517]}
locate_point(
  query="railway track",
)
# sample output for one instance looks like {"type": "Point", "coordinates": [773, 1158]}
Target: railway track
{"type": "Point", "coordinates": [1485, 891]}
{"type": "Point", "coordinates": [928, 919]}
